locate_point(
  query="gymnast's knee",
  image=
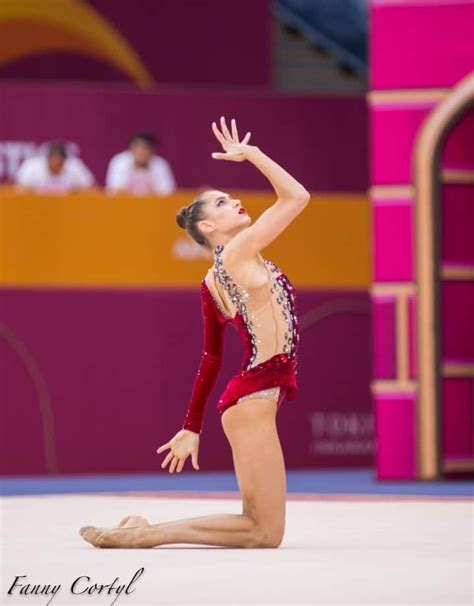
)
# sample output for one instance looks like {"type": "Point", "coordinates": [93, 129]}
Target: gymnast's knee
{"type": "Point", "coordinates": [266, 537]}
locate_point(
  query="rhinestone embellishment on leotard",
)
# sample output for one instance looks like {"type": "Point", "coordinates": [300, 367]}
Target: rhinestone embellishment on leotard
{"type": "Point", "coordinates": [269, 394]}
{"type": "Point", "coordinates": [239, 297]}
{"type": "Point", "coordinates": [285, 298]}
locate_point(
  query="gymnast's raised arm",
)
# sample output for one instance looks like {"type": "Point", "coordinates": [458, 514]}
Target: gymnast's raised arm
{"type": "Point", "coordinates": [292, 197]}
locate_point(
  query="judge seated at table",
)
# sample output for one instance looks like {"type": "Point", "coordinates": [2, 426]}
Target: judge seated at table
{"type": "Point", "coordinates": [139, 170]}
{"type": "Point", "coordinates": [53, 171]}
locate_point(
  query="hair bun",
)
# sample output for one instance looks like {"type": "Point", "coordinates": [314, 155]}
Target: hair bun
{"type": "Point", "coordinates": [181, 217]}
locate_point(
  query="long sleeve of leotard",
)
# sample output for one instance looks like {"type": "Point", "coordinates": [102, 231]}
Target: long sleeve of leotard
{"type": "Point", "coordinates": [210, 363]}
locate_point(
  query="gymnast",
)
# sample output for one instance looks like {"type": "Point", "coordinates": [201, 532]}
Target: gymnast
{"type": "Point", "coordinates": [244, 289]}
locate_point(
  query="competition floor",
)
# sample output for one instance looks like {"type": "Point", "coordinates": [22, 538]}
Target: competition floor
{"type": "Point", "coordinates": [349, 540]}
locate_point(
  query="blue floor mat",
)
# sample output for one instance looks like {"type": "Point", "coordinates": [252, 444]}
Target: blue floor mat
{"type": "Point", "coordinates": [342, 482]}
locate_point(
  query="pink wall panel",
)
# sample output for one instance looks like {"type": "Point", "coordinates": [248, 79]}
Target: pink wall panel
{"type": "Point", "coordinates": [457, 312]}
{"type": "Point", "coordinates": [420, 44]}
{"type": "Point", "coordinates": [457, 222]}
{"type": "Point", "coordinates": [395, 431]}
{"type": "Point", "coordinates": [458, 148]}
{"type": "Point", "coordinates": [458, 417]}
{"type": "Point", "coordinates": [384, 337]}
{"type": "Point", "coordinates": [393, 132]}
{"type": "Point", "coordinates": [393, 241]}
{"type": "Point", "coordinates": [80, 361]}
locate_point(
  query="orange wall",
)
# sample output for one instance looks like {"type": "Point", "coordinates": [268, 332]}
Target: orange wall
{"type": "Point", "coordinates": [92, 239]}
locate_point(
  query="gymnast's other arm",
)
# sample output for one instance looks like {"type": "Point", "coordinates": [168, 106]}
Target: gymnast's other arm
{"type": "Point", "coordinates": [186, 441]}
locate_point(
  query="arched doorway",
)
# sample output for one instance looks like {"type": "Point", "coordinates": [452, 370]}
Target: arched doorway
{"type": "Point", "coordinates": [433, 370]}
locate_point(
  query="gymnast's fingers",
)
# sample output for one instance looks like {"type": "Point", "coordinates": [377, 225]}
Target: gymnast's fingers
{"type": "Point", "coordinates": [245, 140]}
{"type": "Point", "coordinates": [224, 129]}
{"type": "Point", "coordinates": [235, 132]}
{"type": "Point", "coordinates": [194, 457]}
{"type": "Point", "coordinates": [174, 462]}
{"type": "Point", "coordinates": [168, 457]}
{"type": "Point", "coordinates": [162, 447]}
{"type": "Point", "coordinates": [180, 465]}
{"type": "Point", "coordinates": [218, 134]}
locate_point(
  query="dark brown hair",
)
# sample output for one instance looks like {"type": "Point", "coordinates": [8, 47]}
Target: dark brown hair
{"type": "Point", "coordinates": [57, 148]}
{"type": "Point", "coordinates": [188, 217]}
{"type": "Point", "coordinates": [146, 137]}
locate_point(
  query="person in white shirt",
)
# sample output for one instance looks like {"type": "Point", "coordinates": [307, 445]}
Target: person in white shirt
{"type": "Point", "coordinates": [54, 172]}
{"type": "Point", "coordinates": [138, 170]}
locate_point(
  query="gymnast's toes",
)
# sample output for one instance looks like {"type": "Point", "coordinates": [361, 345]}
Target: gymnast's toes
{"type": "Point", "coordinates": [120, 537]}
{"type": "Point", "coordinates": [91, 534]}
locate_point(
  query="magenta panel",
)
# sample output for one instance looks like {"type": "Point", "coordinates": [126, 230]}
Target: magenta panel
{"type": "Point", "coordinates": [178, 41]}
{"type": "Point", "coordinates": [99, 120]}
{"type": "Point", "coordinates": [458, 417]}
{"type": "Point", "coordinates": [383, 309]}
{"type": "Point", "coordinates": [392, 136]}
{"type": "Point", "coordinates": [395, 434]}
{"type": "Point", "coordinates": [420, 45]}
{"type": "Point", "coordinates": [458, 148]}
{"type": "Point", "coordinates": [106, 360]}
{"type": "Point", "coordinates": [457, 223]}
{"type": "Point", "coordinates": [457, 321]}
{"type": "Point", "coordinates": [393, 249]}
{"type": "Point", "coordinates": [412, 337]}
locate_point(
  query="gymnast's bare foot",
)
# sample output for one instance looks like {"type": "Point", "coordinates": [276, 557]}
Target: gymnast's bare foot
{"type": "Point", "coordinates": [131, 521]}
{"type": "Point", "coordinates": [128, 533]}
{"type": "Point", "coordinates": [126, 522]}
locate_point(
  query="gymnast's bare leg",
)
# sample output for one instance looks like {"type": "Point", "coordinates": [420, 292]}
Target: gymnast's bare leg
{"type": "Point", "coordinates": [250, 427]}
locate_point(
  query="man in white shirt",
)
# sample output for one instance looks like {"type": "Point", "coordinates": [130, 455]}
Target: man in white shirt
{"type": "Point", "coordinates": [138, 170]}
{"type": "Point", "coordinates": [55, 172]}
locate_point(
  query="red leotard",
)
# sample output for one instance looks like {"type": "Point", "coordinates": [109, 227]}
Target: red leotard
{"type": "Point", "coordinates": [264, 317]}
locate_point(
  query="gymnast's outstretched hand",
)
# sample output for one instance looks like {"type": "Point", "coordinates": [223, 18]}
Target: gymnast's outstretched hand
{"type": "Point", "coordinates": [183, 444]}
{"type": "Point", "coordinates": [235, 150]}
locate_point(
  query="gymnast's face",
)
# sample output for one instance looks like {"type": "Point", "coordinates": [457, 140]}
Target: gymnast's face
{"type": "Point", "coordinates": [224, 214]}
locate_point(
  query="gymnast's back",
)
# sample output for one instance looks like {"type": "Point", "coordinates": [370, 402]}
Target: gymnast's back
{"type": "Point", "coordinates": [260, 297]}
